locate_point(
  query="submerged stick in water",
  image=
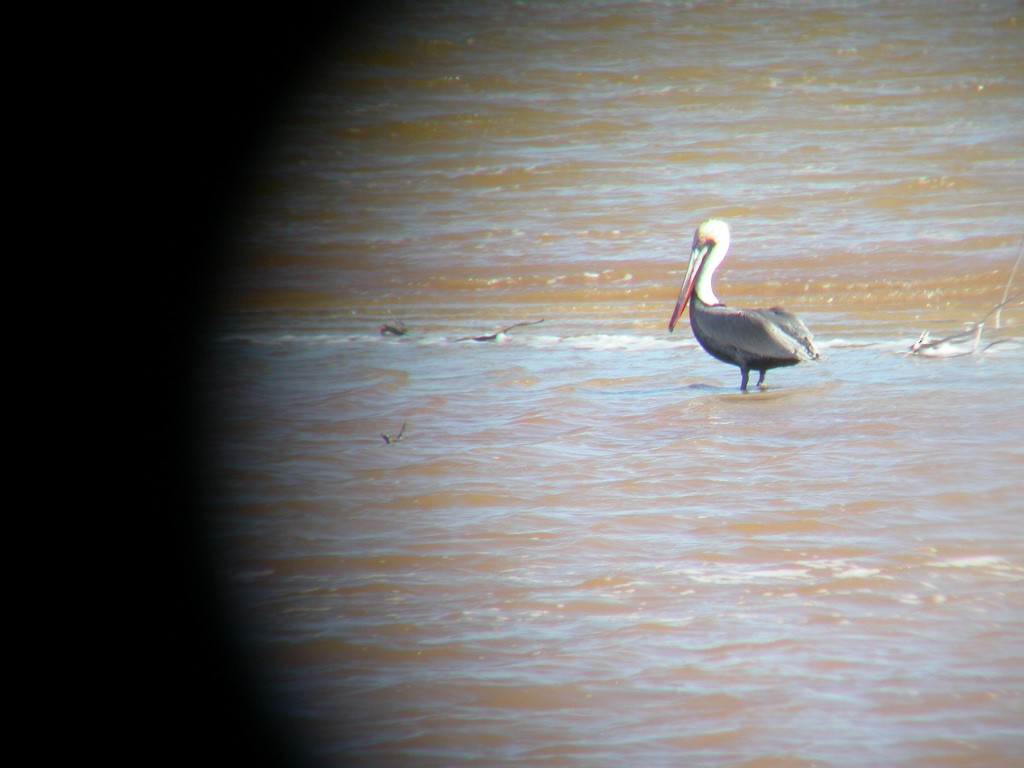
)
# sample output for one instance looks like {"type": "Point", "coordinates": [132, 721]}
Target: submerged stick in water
{"type": "Point", "coordinates": [394, 438]}
{"type": "Point", "coordinates": [947, 346]}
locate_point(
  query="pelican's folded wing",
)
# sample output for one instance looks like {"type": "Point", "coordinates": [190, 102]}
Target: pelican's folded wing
{"type": "Point", "coordinates": [755, 335]}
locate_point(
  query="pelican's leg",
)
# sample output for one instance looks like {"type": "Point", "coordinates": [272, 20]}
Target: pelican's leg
{"type": "Point", "coordinates": [760, 379]}
{"type": "Point", "coordinates": [743, 382]}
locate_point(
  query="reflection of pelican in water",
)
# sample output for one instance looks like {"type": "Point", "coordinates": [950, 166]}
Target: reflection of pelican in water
{"type": "Point", "coordinates": [753, 339]}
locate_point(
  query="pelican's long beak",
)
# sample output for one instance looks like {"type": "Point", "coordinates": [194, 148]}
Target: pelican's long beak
{"type": "Point", "coordinates": [697, 256]}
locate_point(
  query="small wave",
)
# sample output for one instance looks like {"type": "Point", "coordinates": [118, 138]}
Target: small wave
{"type": "Point", "coordinates": [842, 343]}
{"type": "Point", "coordinates": [992, 565]}
{"type": "Point", "coordinates": [621, 342]}
{"type": "Point", "coordinates": [595, 342]}
{"type": "Point", "coordinates": [800, 572]}
{"type": "Point", "coordinates": [747, 576]}
{"type": "Point", "coordinates": [281, 339]}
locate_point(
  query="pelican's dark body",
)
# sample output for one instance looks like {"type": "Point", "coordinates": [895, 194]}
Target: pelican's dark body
{"type": "Point", "coordinates": [752, 339]}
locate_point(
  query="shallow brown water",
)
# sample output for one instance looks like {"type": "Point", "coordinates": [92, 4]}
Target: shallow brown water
{"type": "Point", "coordinates": [588, 548]}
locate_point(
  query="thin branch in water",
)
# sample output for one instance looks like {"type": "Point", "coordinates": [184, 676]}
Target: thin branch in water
{"type": "Point", "coordinates": [494, 336]}
{"type": "Point", "coordinates": [998, 307]}
{"type": "Point", "coordinates": [1006, 291]}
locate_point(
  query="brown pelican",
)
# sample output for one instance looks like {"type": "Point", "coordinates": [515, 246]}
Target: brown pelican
{"type": "Point", "coordinates": [753, 339]}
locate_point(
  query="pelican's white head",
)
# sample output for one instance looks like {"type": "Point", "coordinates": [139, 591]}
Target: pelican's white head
{"type": "Point", "coordinates": [710, 233]}
{"type": "Point", "coordinates": [710, 244]}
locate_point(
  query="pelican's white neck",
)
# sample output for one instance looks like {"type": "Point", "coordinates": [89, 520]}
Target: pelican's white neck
{"type": "Point", "coordinates": [715, 233]}
{"type": "Point", "coordinates": [702, 288]}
